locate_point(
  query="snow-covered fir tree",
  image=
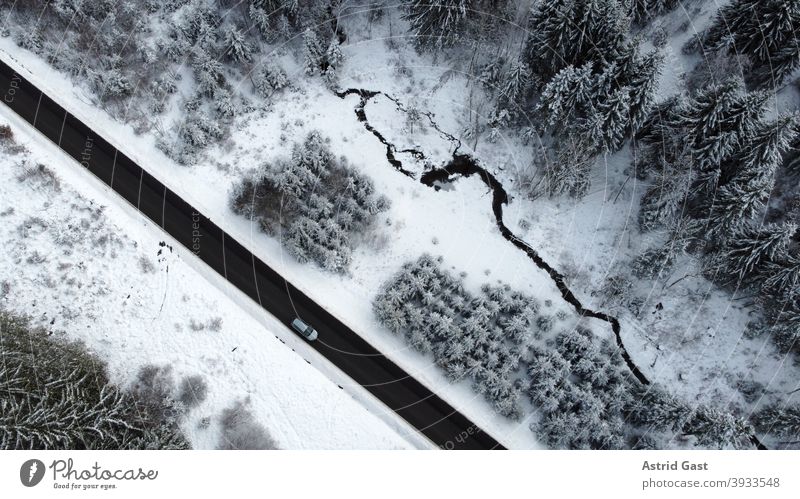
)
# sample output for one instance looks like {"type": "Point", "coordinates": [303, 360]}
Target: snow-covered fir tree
{"type": "Point", "coordinates": [313, 53]}
{"type": "Point", "coordinates": [436, 24]}
{"type": "Point", "coordinates": [643, 81]}
{"type": "Point", "coordinates": [574, 32]}
{"type": "Point", "coordinates": [746, 192]}
{"type": "Point", "coordinates": [720, 430]}
{"type": "Point", "coordinates": [270, 78]}
{"type": "Point", "coordinates": [608, 125]}
{"type": "Point", "coordinates": [645, 10]}
{"type": "Point", "coordinates": [782, 421]}
{"type": "Point", "coordinates": [236, 46]}
{"type": "Point", "coordinates": [748, 251]}
{"type": "Point", "coordinates": [566, 96]}
{"type": "Point", "coordinates": [765, 30]}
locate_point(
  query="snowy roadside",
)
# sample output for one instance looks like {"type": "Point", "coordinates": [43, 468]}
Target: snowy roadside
{"type": "Point", "coordinates": [90, 269]}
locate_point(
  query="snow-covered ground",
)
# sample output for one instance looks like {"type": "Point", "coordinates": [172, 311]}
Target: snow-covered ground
{"type": "Point", "coordinates": [688, 334]}
{"type": "Point", "coordinates": [86, 266]}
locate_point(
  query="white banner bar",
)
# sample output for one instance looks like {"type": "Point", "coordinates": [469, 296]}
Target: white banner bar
{"type": "Point", "coordinates": [383, 475]}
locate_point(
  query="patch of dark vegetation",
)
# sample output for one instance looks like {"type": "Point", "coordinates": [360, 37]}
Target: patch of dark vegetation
{"type": "Point", "coordinates": [57, 395]}
{"type": "Point", "coordinates": [6, 134]}
{"type": "Point", "coordinates": [782, 422]}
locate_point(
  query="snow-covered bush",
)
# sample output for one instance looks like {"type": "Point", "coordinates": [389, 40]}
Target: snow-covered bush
{"type": "Point", "coordinates": [270, 78]}
{"type": "Point", "coordinates": [195, 133]}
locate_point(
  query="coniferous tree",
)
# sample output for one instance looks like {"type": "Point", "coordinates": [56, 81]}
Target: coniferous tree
{"type": "Point", "coordinates": [783, 275]}
{"type": "Point", "coordinates": [436, 24]}
{"type": "Point", "coordinates": [665, 200]}
{"type": "Point", "coordinates": [643, 83]}
{"type": "Point", "coordinates": [717, 429]}
{"type": "Point", "coordinates": [749, 250]}
{"type": "Point", "coordinates": [313, 53]}
{"type": "Point", "coordinates": [645, 10]}
{"type": "Point", "coordinates": [752, 177]}
{"type": "Point", "coordinates": [567, 95]}
{"type": "Point", "coordinates": [574, 32]}
{"type": "Point", "coordinates": [237, 47]}
{"type": "Point", "coordinates": [208, 72]}
{"type": "Point", "coordinates": [734, 129]}
{"type": "Point", "coordinates": [654, 409]}
{"type": "Point", "coordinates": [270, 78]}
{"type": "Point", "coordinates": [608, 125]}
{"type": "Point", "coordinates": [568, 172]}
{"type": "Point", "coordinates": [779, 420]}
{"type": "Point", "coordinates": [763, 29]}
{"type": "Point", "coordinates": [704, 114]}
{"type": "Point", "coordinates": [513, 87]}
{"type": "Point", "coordinates": [785, 320]}
{"type": "Point", "coordinates": [260, 18]}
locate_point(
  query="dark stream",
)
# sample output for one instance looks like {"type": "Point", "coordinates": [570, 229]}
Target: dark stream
{"type": "Point", "coordinates": [463, 165]}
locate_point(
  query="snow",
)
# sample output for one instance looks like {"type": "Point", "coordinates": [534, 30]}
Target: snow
{"type": "Point", "coordinates": [694, 344]}
{"type": "Point", "coordinates": [74, 259]}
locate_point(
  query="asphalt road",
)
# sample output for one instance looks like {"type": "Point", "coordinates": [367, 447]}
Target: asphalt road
{"type": "Point", "coordinates": [423, 409]}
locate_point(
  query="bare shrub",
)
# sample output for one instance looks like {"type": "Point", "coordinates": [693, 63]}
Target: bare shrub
{"type": "Point", "coordinates": [215, 324]}
{"type": "Point", "coordinates": [239, 430]}
{"type": "Point", "coordinates": [155, 387]}
{"type": "Point", "coordinates": [6, 134]}
{"type": "Point", "coordinates": [192, 391]}
{"type": "Point", "coordinates": [41, 175]}
{"type": "Point", "coordinates": [146, 265]}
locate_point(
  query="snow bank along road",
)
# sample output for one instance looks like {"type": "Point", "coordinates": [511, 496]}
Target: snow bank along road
{"type": "Point", "coordinates": [424, 410]}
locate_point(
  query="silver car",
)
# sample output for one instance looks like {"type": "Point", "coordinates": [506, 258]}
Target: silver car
{"type": "Point", "coordinates": [307, 331]}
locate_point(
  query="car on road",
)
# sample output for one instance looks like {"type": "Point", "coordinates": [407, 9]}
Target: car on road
{"type": "Point", "coordinates": [304, 329]}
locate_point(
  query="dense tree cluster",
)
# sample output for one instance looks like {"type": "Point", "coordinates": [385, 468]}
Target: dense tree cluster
{"type": "Point", "coordinates": [596, 86]}
{"type": "Point", "coordinates": [765, 31]}
{"type": "Point", "coordinates": [715, 162]}
{"type": "Point", "coordinates": [780, 421]}
{"type": "Point", "coordinates": [645, 10]}
{"type": "Point", "coordinates": [502, 342]}
{"type": "Point", "coordinates": [439, 23]}
{"type": "Point", "coordinates": [56, 395]}
{"type": "Point", "coordinates": [133, 55]}
{"type": "Point", "coordinates": [445, 23]}
{"type": "Point", "coordinates": [582, 391]}
{"type": "Point", "coordinates": [478, 338]}
{"type": "Point", "coordinates": [319, 202]}
{"type": "Point", "coordinates": [589, 401]}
